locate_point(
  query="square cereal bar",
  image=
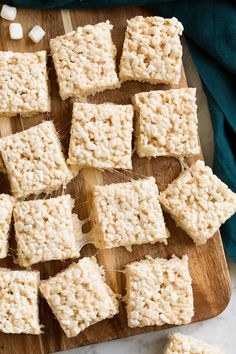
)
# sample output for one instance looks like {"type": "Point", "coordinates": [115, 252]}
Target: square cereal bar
{"type": "Point", "coordinates": [23, 84]}
{"type": "Point", "coordinates": [34, 161]}
{"type": "Point", "coordinates": [152, 51]}
{"type": "Point", "coordinates": [19, 312]}
{"type": "Point", "coordinates": [127, 214]}
{"type": "Point", "coordinates": [6, 207]}
{"type": "Point", "coordinates": [199, 202]}
{"type": "Point", "coordinates": [166, 123]}
{"type": "Point", "coordinates": [85, 61]}
{"type": "Point", "coordinates": [44, 230]}
{"type": "Point", "coordinates": [101, 136]}
{"type": "Point", "coordinates": [180, 343]}
{"type": "Point", "coordinates": [159, 291]}
{"type": "Point", "coordinates": [79, 296]}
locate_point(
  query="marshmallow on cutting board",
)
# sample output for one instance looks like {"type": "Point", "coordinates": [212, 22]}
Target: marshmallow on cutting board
{"type": "Point", "coordinates": [16, 31]}
{"type": "Point", "coordinates": [8, 12]}
{"type": "Point", "coordinates": [36, 34]}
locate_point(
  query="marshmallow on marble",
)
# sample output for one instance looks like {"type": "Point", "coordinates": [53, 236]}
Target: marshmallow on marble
{"type": "Point", "coordinates": [8, 12]}
{"type": "Point", "coordinates": [36, 34]}
{"type": "Point", "coordinates": [16, 31]}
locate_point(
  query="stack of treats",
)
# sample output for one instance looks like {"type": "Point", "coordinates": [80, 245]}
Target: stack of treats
{"type": "Point", "coordinates": [163, 123]}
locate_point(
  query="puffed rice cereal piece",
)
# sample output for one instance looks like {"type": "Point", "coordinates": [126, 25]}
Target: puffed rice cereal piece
{"type": "Point", "coordinates": [166, 123]}
{"type": "Point", "coordinates": [34, 161]}
{"type": "Point", "coordinates": [6, 207]}
{"type": "Point", "coordinates": [152, 51]}
{"type": "Point", "coordinates": [182, 344]}
{"type": "Point", "coordinates": [126, 214]}
{"type": "Point", "coordinates": [19, 312]}
{"type": "Point", "coordinates": [159, 291]}
{"type": "Point", "coordinates": [101, 136]}
{"type": "Point", "coordinates": [45, 230]}
{"type": "Point", "coordinates": [85, 61]}
{"type": "Point", "coordinates": [79, 296]}
{"type": "Point", "coordinates": [23, 84]}
{"type": "Point", "coordinates": [199, 202]}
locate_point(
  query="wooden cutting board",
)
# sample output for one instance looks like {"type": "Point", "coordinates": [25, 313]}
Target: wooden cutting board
{"type": "Point", "coordinates": [211, 283]}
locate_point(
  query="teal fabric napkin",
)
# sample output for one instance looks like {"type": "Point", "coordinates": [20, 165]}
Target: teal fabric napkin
{"type": "Point", "coordinates": [210, 28]}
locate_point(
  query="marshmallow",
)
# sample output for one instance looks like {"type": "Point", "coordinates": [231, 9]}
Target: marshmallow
{"type": "Point", "coordinates": [8, 12]}
{"type": "Point", "coordinates": [16, 31]}
{"type": "Point", "coordinates": [36, 34]}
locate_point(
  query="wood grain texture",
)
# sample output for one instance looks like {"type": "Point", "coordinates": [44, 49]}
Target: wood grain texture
{"type": "Point", "coordinates": [211, 283]}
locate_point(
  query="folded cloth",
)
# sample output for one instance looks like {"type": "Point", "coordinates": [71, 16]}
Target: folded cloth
{"type": "Point", "coordinates": [210, 29]}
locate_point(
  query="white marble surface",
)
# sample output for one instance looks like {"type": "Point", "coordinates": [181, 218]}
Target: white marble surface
{"type": "Point", "coordinates": [219, 331]}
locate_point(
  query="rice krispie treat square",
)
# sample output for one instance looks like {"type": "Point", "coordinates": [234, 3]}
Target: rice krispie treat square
{"type": "Point", "coordinates": [6, 207]}
{"type": "Point", "coordinates": [180, 343]}
{"type": "Point", "coordinates": [85, 61]}
{"type": "Point", "coordinates": [101, 136]}
{"type": "Point", "coordinates": [23, 84]}
{"type": "Point", "coordinates": [126, 214]}
{"type": "Point", "coordinates": [79, 296]}
{"type": "Point", "coordinates": [152, 50]}
{"type": "Point", "coordinates": [19, 312]}
{"type": "Point", "coordinates": [199, 202]}
{"type": "Point", "coordinates": [34, 160]}
{"type": "Point", "coordinates": [44, 230]}
{"type": "Point", "coordinates": [166, 123]}
{"type": "Point", "coordinates": [159, 291]}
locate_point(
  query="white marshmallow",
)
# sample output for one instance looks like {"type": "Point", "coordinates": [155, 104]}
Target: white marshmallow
{"type": "Point", "coordinates": [8, 12]}
{"type": "Point", "coordinates": [36, 34]}
{"type": "Point", "coordinates": [16, 31]}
